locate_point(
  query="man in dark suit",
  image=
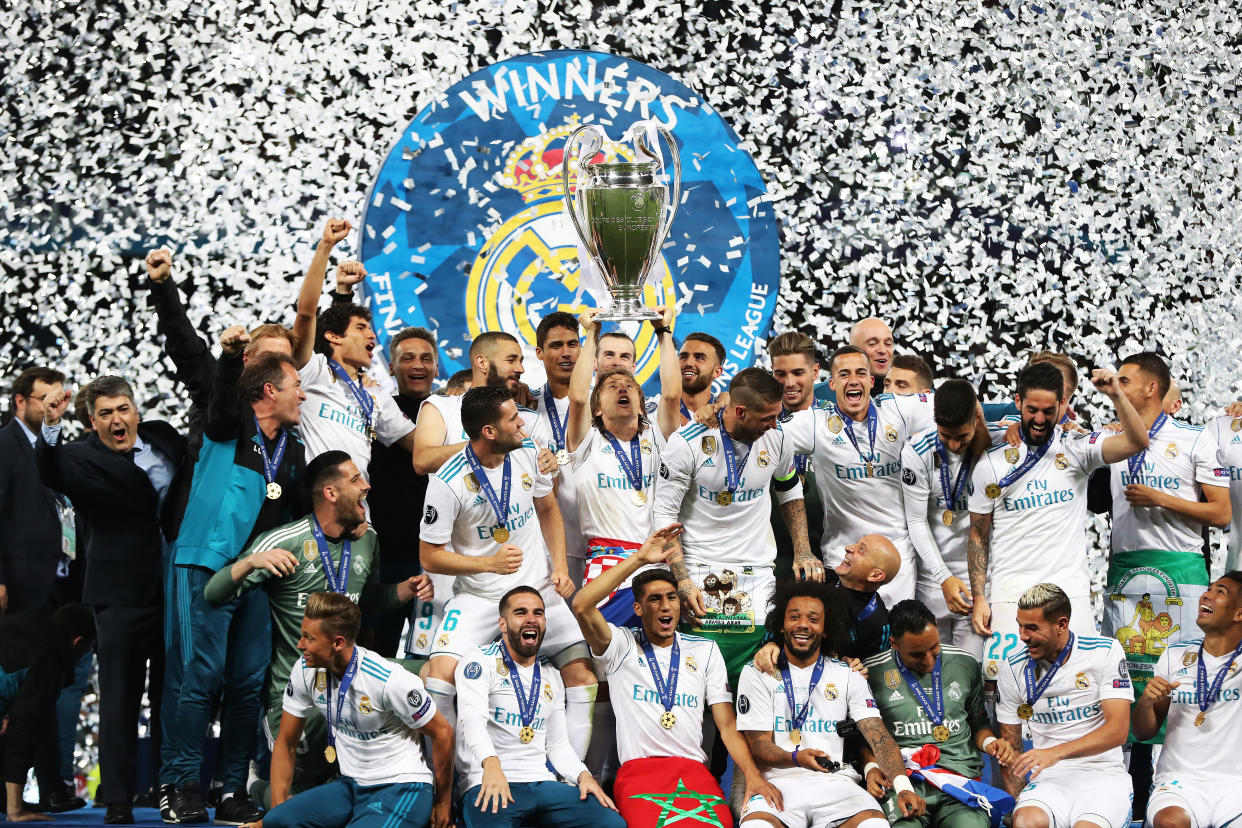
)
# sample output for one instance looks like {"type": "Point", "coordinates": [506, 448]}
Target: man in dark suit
{"type": "Point", "coordinates": [118, 479]}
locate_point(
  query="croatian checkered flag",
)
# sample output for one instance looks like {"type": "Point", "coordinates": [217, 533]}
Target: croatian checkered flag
{"type": "Point", "coordinates": [993, 801]}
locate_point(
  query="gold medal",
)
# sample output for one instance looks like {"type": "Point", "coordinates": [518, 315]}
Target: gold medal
{"type": "Point", "coordinates": [940, 733]}
{"type": "Point", "coordinates": [992, 490]}
{"type": "Point", "coordinates": [870, 470]}
{"type": "Point", "coordinates": [667, 720]}
{"type": "Point", "coordinates": [724, 498]}
{"type": "Point", "coordinates": [1200, 719]}
{"type": "Point", "coordinates": [795, 737]}
{"type": "Point", "coordinates": [638, 498]}
{"type": "Point", "coordinates": [947, 517]}
{"type": "Point", "coordinates": [273, 491]}
{"type": "Point", "coordinates": [526, 734]}
{"type": "Point", "coordinates": [1025, 711]}
{"type": "Point", "coordinates": [562, 457]}
{"type": "Point", "coordinates": [329, 753]}
{"type": "Point", "coordinates": [500, 534]}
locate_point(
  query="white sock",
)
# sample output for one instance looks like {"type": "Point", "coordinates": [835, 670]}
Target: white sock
{"type": "Point", "coordinates": [579, 707]}
{"type": "Point", "coordinates": [445, 696]}
{"type": "Point", "coordinates": [603, 742]}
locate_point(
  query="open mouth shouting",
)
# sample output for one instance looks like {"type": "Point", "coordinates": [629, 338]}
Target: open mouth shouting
{"type": "Point", "coordinates": [854, 395]}
{"type": "Point", "coordinates": [1205, 609]}
{"type": "Point", "coordinates": [665, 623]}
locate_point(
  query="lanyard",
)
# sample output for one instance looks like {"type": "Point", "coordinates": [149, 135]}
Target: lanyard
{"type": "Point", "coordinates": [347, 678]}
{"type": "Point", "coordinates": [1135, 461]}
{"type": "Point", "coordinates": [500, 505]}
{"type": "Point", "coordinates": [340, 579]}
{"type": "Point", "coordinates": [873, 421]}
{"type": "Point", "coordinates": [632, 466]}
{"type": "Point", "coordinates": [365, 401]}
{"type": "Point", "coordinates": [952, 496]}
{"type": "Point", "coordinates": [271, 464]}
{"type": "Point", "coordinates": [666, 689]}
{"type": "Point", "coordinates": [526, 704]}
{"type": "Point", "coordinates": [558, 425]}
{"type": "Point", "coordinates": [733, 467]}
{"type": "Point", "coordinates": [798, 717]}
{"type": "Point", "coordinates": [1205, 699]}
{"type": "Point", "coordinates": [934, 707]}
{"type": "Point", "coordinates": [1033, 690]}
{"type": "Point", "coordinates": [1028, 462]}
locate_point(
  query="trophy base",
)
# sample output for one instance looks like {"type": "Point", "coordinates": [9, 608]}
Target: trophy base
{"type": "Point", "coordinates": [629, 312]}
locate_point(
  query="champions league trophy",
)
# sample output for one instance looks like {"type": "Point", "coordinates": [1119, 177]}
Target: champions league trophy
{"type": "Point", "coordinates": [618, 212]}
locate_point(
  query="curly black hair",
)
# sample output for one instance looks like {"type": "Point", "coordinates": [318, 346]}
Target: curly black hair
{"type": "Point", "coordinates": [836, 617]}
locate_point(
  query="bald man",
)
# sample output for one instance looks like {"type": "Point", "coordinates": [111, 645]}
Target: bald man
{"type": "Point", "coordinates": [875, 337]}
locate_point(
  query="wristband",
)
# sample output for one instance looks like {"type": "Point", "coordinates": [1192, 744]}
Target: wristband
{"type": "Point", "coordinates": [661, 329]}
{"type": "Point", "coordinates": [902, 784]}
{"type": "Point", "coordinates": [794, 756]}
{"type": "Point", "coordinates": [987, 742]}
{"type": "Point", "coordinates": [867, 769]}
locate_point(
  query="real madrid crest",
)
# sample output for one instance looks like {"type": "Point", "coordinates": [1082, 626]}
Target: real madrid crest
{"type": "Point", "coordinates": [526, 482]}
{"type": "Point", "coordinates": [547, 691]}
{"type": "Point", "coordinates": [645, 446]}
{"type": "Point", "coordinates": [890, 434]}
{"type": "Point", "coordinates": [830, 692]}
{"type": "Point", "coordinates": [764, 460]}
{"type": "Point", "coordinates": [1011, 455]}
{"type": "Point", "coordinates": [1081, 681]}
{"type": "Point", "coordinates": [1170, 451]}
{"type": "Point", "coordinates": [444, 640]}
{"type": "Point", "coordinates": [691, 664]}
{"type": "Point", "coordinates": [1061, 462]}
{"type": "Point", "coordinates": [708, 445]}
{"type": "Point", "coordinates": [472, 483]}
{"type": "Point", "coordinates": [364, 705]}
{"type": "Point", "coordinates": [892, 679]}
{"type": "Point", "coordinates": [835, 424]}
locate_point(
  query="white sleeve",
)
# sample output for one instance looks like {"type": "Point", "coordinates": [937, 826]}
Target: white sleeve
{"type": "Point", "coordinates": [1208, 471]}
{"type": "Point", "coordinates": [560, 752]}
{"type": "Point", "coordinates": [391, 424]}
{"type": "Point", "coordinates": [800, 431]}
{"type": "Point", "coordinates": [858, 695]}
{"type": "Point", "coordinates": [786, 470]}
{"type": "Point", "coordinates": [1115, 675]}
{"type": "Point", "coordinates": [754, 702]}
{"type": "Point", "coordinates": [918, 412]}
{"type": "Point", "coordinates": [440, 508]}
{"type": "Point", "coordinates": [981, 477]}
{"type": "Point", "coordinates": [618, 650]}
{"type": "Point", "coordinates": [314, 371]}
{"type": "Point", "coordinates": [1008, 695]}
{"type": "Point", "coordinates": [408, 698]}
{"type": "Point", "coordinates": [916, 492]}
{"type": "Point", "coordinates": [473, 678]}
{"type": "Point", "coordinates": [717, 679]}
{"type": "Point", "coordinates": [1087, 449]}
{"type": "Point", "coordinates": [1164, 665]}
{"type": "Point", "coordinates": [676, 468]}
{"type": "Point", "coordinates": [539, 431]}
{"type": "Point", "coordinates": [298, 699]}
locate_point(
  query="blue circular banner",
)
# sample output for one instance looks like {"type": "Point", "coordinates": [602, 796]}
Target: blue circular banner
{"type": "Point", "coordinates": [464, 228]}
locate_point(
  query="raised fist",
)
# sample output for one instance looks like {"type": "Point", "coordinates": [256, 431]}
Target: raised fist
{"type": "Point", "coordinates": [335, 231]}
{"type": "Point", "coordinates": [159, 265]}
{"type": "Point", "coordinates": [234, 340]}
{"type": "Point", "coordinates": [55, 405]}
{"type": "Point", "coordinates": [349, 274]}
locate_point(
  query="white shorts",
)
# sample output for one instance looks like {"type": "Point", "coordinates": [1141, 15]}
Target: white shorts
{"type": "Point", "coordinates": [954, 629]}
{"type": "Point", "coordinates": [902, 585]}
{"type": "Point", "coordinates": [1207, 803]}
{"type": "Point", "coordinates": [425, 617]}
{"type": "Point", "coordinates": [1081, 794]}
{"type": "Point", "coordinates": [814, 800]}
{"type": "Point", "coordinates": [471, 621]}
{"type": "Point", "coordinates": [1005, 641]}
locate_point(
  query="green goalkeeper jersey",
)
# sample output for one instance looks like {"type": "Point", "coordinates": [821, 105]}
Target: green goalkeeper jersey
{"type": "Point", "coordinates": [961, 682]}
{"type": "Point", "coordinates": [287, 595]}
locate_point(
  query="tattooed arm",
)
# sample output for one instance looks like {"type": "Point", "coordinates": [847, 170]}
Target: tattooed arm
{"type": "Point", "coordinates": [978, 554]}
{"type": "Point", "coordinates": [888, 757]}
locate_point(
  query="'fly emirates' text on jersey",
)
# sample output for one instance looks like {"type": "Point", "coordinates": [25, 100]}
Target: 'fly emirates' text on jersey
{"type": "Point", "coordinates": [693, 474]}
{"type": "Point", "coordinates": [855, 503]}
{"type": "Point", "coordinates": [1039, 522]}
{"type": "Point", "coordinates": [332, 418]}
{"type": "Point", "coordinates": [457, 512]}
{"type": "Point", "coordinates": [1189, 751]}
{"type": "Point", "coordinates": [606, 508]}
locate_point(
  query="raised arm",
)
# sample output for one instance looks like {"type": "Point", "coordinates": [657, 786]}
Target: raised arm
{"type": "Point", "coordinates": [668, 415]}
{"type": "Point", "coordinates": [334, 231]}
{"type": "Point", "coordinates": [224, 406]}
{"type": "Point", "coordinates": [1134, 438]}
{"type": "Point", "coordinates": [56, 470]}
{"type": "Point", "coordinates": [189, 353]}
{"type": "Point", "coordinates": [578, 423]}
{"type": "Point", "coordinates": [429, 432]}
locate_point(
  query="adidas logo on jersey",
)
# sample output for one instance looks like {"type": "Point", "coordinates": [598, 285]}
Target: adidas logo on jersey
{"type": "Point", "coordinates": [896, 697]}
{"type": "Point", "coordinates": [709, 462]}
{"type": "Point", "coordinates": [376, 806]}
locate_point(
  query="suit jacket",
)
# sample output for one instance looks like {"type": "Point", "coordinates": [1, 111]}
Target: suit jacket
{"type": "Point", "coordinates": [120, 511]}
{"type": "Point", "coordinates": [30, 537]}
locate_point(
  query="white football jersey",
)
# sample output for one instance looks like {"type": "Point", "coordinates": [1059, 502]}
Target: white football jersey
{"type": "Point", "coordinates": [1039, 522]}
{"type": "Point", "coordinates": [941, 548]}
{"type": "Point", "coordinates": [450, 411]}
{"type": "Point", "coordinates": [375, 739]}
{"type": "Point", "coordinates": [854, 503]}
{"type": "Point", "coordinates": [841, 693]}
{"type": "Point", "coordinates": [1180, 460]}
{"type": "Point", "coordinates": [1187, 747]}
{"type": "Point", "coordinates": [693, 473]}
{"type": "Point", "coordinates": [567, 487]}
{"type": "Point", "coordinates": [1226, 432]}
{"type": "Point", "coordinates": [332, 418]}
{"type": "Point", "coordinates": [489, 720]}
{"type": "Point", "coordinates": [701, 682]}
{"type": "Point", "coordinates": [605, 505]}
{"type": "Point", "coordinates": [1070, 706]}
{"type": "Point", "coordinates": [457, 512]}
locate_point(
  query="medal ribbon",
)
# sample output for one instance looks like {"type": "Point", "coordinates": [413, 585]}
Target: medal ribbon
{"type": "Point", "coordinates": [271, 464]}
{"type": "Point", "coordinates": [1135, 461]}
{"type": "Point", "coordinates": [667, 690]}
{"type": "Point", "coordinates": [347, 678]}
{"type": "Point", "coordinates": [1028, 462]}
{"type": "Point", "coordinates": [500, 505]}
{"type": "Point", "coordinates": [798, 717]}
{"type": "Point", "coordinates": [632, 466]}
{"type": "Point", "coordinates": [952, 497]}
{"type": "Point", "coordinates": [733, 467]}
{"type": "Point", "coordinates": [1033, 690]}
{"type": "Point", "coordinates": [934, 708]}
{"type": "Point", "coordinates": [558, 425]}
{"type": "Point", "coordinates": [336, 581]}
{"type": "Point", "coordinates": [1205, 699]}
{"type": "Point", "coordinates": [873, 422]}
{"type": "Point", "coordinates": [527, 705]}
{"type": "Point", "coordinates": [365, 401]}
{"type": "Point", "coordinates": [685, 412]}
